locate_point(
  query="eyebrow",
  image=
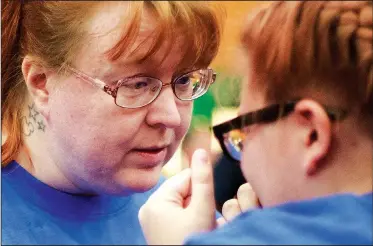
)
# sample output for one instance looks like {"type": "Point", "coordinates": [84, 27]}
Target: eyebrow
{"type": "Point", "coordinates": [118, 72]}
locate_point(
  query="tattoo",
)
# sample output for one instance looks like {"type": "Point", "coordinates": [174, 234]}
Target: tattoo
{"type": "Point", "coordinates": [41, 125]}
{"type": "Point", "coordinates": [28, 127]}
{"type": "Point", "coordinates": [33, 121]}
{"type": "Point", "coordinates": [32, 112]}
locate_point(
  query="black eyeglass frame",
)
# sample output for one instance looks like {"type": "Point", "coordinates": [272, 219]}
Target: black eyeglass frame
{"type": "Point", "coordinates": [266, 115]}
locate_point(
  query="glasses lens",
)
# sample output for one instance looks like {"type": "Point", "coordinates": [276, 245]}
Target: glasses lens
{"type": "Point", "coordinates": [138, 92]}
{"type": "Point", "coordinates": [233, 141]}
{"type": "Point", "coordinates": [193, 84]}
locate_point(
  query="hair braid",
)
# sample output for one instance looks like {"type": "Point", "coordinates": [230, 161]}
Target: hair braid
{"type": "Point", "coordinates": [300, 45]}
{"type": "Point", "coordinates": [350, 41]}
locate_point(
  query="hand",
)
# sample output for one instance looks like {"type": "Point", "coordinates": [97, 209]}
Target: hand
{"type": "Point", "coordinates": [245, 200]}
{"type": "Point", "coordinates": [183, 205]}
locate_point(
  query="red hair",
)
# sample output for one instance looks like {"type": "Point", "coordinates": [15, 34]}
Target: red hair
{"type": "Point", "coordinates": [318, 46]}
{"type": "Point", "coordinates": [54, 30]}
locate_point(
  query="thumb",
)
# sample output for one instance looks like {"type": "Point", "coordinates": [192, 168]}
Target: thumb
{"type": "Point", "coordinates": [202, 184]}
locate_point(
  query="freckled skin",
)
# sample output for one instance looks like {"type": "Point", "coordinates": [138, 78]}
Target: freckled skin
{"type": "Point", "coordinates": [90, 138]}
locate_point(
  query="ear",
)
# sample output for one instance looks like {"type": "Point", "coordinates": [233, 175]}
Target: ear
{"type": "Point", "coordinates": [317, 137]}
{"type": "Point", "coordinates": [35, 76]}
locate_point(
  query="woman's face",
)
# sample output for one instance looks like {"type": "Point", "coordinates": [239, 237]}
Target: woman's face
{"type": "Point", "coordinates": [99, 146]}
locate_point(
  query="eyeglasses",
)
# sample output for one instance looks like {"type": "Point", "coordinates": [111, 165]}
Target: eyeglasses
{"type": "Point", "coordinates": [231, 134]}
{"type": "Point", "coordinates": [139, 91]}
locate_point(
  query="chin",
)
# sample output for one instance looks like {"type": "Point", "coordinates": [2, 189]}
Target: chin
{"type": "Point", "coordinates": [147, 181]}
{"type": "Point", "coordinates": [138, 181]}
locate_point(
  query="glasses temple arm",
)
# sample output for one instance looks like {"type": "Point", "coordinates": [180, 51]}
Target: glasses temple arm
{"type": "Point", "coordinates": [96, 82]}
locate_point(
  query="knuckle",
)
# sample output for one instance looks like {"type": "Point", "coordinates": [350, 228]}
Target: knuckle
{"type": "Point", "coordinates": [141, 215]}
{"type": "Point", "coordinates": [245, 192]}
{"type": "Point", "coordinates": [145, 211]}
{"type": "Point", "coordinates": [229, 205]}
{"type": "Point", "coordinates": [245, 188]}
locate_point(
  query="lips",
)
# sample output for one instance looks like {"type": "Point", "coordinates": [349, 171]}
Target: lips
{"type": "Point", "coordinates": [150, 149]}
{"type": "Point", "coordinates": [150, 157]}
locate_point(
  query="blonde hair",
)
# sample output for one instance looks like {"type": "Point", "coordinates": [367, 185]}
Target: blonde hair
{"type": "Point", "coordinates": [303, 46]}
{"type": "Point", "coordinates": [53, 31]}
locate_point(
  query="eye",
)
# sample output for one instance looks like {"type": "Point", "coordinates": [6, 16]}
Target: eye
{"type": "Point", "coordinates": [183, 80]}
{"type": "Point", "coordinates": [139, 85]}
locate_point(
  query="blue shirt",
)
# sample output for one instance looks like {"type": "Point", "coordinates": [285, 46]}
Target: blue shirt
{"type": "Point", "coordinates": [35, 213]}
{"type": "Point", "coordinates": [336, 219]}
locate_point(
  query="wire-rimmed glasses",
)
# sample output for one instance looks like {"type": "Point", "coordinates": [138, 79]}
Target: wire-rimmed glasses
{"type": "Point", "coordinates": [139, 91]}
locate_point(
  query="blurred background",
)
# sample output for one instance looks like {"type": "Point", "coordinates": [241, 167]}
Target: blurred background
{"type": "Point", "coordinates": [221, 102]}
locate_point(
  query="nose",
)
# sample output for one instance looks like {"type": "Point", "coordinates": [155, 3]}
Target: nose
{"type": "Point", "coordinates": [164, 110]}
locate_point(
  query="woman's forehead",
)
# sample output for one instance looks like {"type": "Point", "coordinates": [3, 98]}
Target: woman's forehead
{"type": "Point", "coordinates": [106, 29]}
{"type": "Point", "coordinates": [107, 25]}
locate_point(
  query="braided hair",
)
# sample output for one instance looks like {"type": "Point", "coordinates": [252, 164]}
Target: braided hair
{"type": "Point", "coordinates": [318, 46]}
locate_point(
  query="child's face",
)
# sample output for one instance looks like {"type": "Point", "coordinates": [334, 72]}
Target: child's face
{"type": "Point", "coordinates": [272, 152]}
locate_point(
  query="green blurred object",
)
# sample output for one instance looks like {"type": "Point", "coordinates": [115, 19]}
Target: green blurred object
{"type": "Point", "coordinates": [225, 92]}
{"type": "Point", "coordinates": [202, 111]}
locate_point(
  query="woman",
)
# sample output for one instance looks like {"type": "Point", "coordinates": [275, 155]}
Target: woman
{"type": "Point", "coordinates": [304, 136]}
{"type": "Point", "coordinates": [96, 97]}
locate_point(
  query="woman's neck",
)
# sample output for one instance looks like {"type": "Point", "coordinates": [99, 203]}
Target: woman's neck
{"type": "Point", "coordinates": [34, 155]}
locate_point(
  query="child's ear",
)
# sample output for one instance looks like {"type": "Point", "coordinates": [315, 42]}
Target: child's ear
{"type": "Point", "coordinates": [317, 137]}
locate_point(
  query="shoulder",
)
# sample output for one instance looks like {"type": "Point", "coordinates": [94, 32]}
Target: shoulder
{"type": "Point", "coordinates": [324, 221]}
{"type": "Point", "coordinates": [15, 214]}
